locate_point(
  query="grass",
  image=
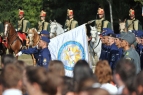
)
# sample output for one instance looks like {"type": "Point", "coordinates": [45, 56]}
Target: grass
{"type": "Point", "coordinates": [26, 58]}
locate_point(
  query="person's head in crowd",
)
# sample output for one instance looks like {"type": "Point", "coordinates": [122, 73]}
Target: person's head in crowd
{"type": "Point", "coordinates": [87, 83]}
{"type": "Point", "coordinates": [138, 35]}
{"type": "Point", "coordinates": [111, 38]}
{"type": "Point", "coordinates": [130, 87]}
{"type": "Point", "coordinates": [141, 38]}
{"type": "Point", "coordinates": [103, 72]}
{"type": "Point", "coordinates": [124, 71]}
{"type": "Point", "coordinates": [67, 86]}
{"type": "Point", "coordinates": [21, 63]}
{"type": "Point", "coordinates": [12, 77]}
{"type": "Point", "coordinates": [105, 33]}
{"type": "Point", "coordinates": [118, 41]}
{"type": "Point", "coordinates": [81, 70]}
{"type": "Point", "coordinates": [1, 85]}
{"type": "Point", "coordinates": [7, 59]}
{"type": "Point", "coordinates": [139, 83]}
{"type": "Point", "coordinates": [104, 76]}
{"type": "Point", "coordinates": [56, 67]}
{"type": "Point", "coordinates": [94, 91]}
{"type": "Point", "coordinates": [39, 82]}
{"type": "Point", "coordinates": [127, 40]}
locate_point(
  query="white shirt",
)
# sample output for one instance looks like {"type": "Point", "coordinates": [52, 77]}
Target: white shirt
{"type": "Point", "coordinates": [12, 92]}
{"type": "Point", "coordinates": [120, 89]}
{"type": "Point", "coordinates": [110, 88]}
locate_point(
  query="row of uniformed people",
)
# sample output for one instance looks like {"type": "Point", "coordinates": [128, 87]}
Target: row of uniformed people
{"type": "Point", "coordinates": [44, 25]}
{"type": "Point", "coordinates": [99, 23]}
{"type": "Point", "coordinates": [115, 47]}
{"type": "Point", "coordinates": [110, 51]}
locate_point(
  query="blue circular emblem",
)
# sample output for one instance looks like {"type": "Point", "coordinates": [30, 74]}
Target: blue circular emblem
{"type": "Point", "coordinates": [69, 53]}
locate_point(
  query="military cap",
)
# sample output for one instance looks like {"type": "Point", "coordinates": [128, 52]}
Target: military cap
{"type": "Point", "coordinates": [43, 13]}
{"type": "Point", "coordinates": [69, 12]}
{"type": "Point", "coordinates": [138, 33]}
{"type": "Point", "coordinates": [45, 39]}
{"type": "Point", "coordinates": [21, 12]}
{"type": "Point", "coordinates": [45, 32]}
{"type": "Point", "coordinates": [107, 31]}
{"type": "Point", "coordinates": [111, 35]}
{"type": "Point", "coordinates": [129, 37]}
{"type": "Point", "coordinates": [131, 12]}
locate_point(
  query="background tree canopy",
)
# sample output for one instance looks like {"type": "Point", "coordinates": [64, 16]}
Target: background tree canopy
{"type": "Point", "coordinates": [84, 10]}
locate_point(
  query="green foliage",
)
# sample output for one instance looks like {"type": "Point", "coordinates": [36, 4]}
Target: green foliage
{"type": "Point", "coordinates": [9, 10]}
{"type": "Point", "coordinates": [141, 1]}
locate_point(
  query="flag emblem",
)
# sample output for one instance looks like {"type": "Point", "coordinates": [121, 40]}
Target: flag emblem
{"type": "Point", "coordinates": [70, 52]}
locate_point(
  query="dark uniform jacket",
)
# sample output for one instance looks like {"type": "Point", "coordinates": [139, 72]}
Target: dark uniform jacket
{"type": "Point", "coordinates": [140, 51]}
{"type": "Point", "coordinates": [43, 56]}
{"type": "Point", "coordinates": [113, 56]}
{"type": "Point", "coordinates": [104, 52]}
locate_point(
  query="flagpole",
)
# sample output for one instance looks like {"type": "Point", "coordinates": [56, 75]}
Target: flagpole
{"type": "Point", "coordinates": [111, 16]}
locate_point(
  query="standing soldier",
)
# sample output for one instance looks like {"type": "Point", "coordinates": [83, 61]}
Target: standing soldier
{"type": "Point", "coordinates": [133, 23]}
{"type": "Point", "coordinates": [101, 22]}
{"type": "Point", "coordinates": [23, 25]}
{"type": "Point", "coordinates": [70, 22]}
{"type": "Point", "coordinates": [42, 24]}
{"type": "Point", "coordinates": [129, 53]}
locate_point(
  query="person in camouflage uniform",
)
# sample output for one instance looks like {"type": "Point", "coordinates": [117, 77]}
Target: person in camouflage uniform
{"type": "Point", "coordinates": [42, 24]}
{"type": "Point", "coordinates": [23, 25]}
{"type": "Point", "coordinates": [133, 23]}
{"type": "Point", "coordinates": [70, 22]}
{"type": "Point", "coordinates": [101, 23]}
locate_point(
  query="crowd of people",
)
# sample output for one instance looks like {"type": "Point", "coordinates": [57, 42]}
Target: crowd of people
{"type": "Point", "coordinates": [17, 78]}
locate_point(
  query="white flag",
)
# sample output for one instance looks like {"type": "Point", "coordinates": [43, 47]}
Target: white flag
{"type": "Point", "coordinates": [69, 48]}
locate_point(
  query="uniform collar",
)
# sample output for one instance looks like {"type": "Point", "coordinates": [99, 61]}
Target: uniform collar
{"type": "Point", "coordinates": [42, 20]}
{"type": "Point", "coordinates": [113, 45]}
{"type": "Point", "coordinates": [22, 18]}
{"type": "Point", "coordinates": [71, 19]}
{"type": "Point", "coordinates": [44, 48]}
{"type": "Point", "coordinates": [102, 18]}
{"type": "Point", "coordinates": [126, 52]}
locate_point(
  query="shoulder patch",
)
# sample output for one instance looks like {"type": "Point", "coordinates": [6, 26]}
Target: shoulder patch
{"type": "Point", "coordinates": [127, 53]}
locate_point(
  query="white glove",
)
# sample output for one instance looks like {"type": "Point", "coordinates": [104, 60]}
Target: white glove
{"type": "Point", "coordinates": [38, 32]}
{"type": "Point", "coordinates": [65, 30]}
{"type": "Point", "coordinates": [19, 53]}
